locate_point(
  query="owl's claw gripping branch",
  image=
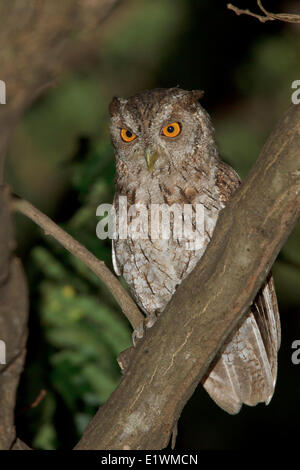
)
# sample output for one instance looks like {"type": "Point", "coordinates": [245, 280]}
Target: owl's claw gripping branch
{"type": "Point", "coordinates": [139, 331]}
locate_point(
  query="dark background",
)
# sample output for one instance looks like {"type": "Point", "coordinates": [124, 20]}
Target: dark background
{"type": "Point", "coordinates": [76, 330]}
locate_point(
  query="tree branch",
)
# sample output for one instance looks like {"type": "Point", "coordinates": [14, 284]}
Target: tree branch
{"type": "Point", "coordinates": [287, 17]}
{"type": "Point", "coordinates": [20, 445]}
{"type": "Point", "coordinates": [126, 303]}
{"type": "Point", "coordinates": [13, 321]}
{"type": "Point", "coordinates": [171, 360]}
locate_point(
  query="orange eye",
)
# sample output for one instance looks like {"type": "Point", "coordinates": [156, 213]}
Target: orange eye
{"type": "Point", "coordinates": [127, 135]}
{"type": "Point", "coordinates": [172, 130]}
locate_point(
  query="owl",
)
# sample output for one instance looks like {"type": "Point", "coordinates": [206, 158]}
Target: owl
{"type": "Point", "coordinates": [166, 156]}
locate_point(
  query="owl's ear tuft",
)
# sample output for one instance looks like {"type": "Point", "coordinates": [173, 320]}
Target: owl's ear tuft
{"type": "Point", "coordinates": [192, 98]}
{"type": "Point", "coordinates": [195, 95]}
{"type": "Point", "coordinates": [114, 106]}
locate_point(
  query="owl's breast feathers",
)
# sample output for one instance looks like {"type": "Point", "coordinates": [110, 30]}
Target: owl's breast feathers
{"type": "Point", "coordinates": [154, 267]}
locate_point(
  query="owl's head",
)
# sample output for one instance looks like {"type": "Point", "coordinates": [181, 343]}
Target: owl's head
{"type": "Point", "coordinates": [159, 128]}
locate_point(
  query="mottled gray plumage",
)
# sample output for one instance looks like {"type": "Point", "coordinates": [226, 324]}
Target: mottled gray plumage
{"type": "Point", "coordinates": [187, 170]}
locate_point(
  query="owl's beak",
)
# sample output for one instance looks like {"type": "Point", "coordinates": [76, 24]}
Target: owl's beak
{"type": "Point", "coordinates": [151, 157]}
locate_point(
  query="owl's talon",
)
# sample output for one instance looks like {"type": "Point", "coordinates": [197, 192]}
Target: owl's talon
{"type": "Point", "coordinates": [139, 331]}
{"type": "Point", "coordinates": [150, 320]}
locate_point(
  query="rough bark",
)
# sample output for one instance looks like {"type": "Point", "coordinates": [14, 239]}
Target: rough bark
{"type": "Point", "coordinates": [13, 323]}
{"type": "Point", "coordinates": [175, 354]}
{"type": "Point", "coordinates": [20, 445]}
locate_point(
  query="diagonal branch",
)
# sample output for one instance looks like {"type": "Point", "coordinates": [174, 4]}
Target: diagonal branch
{"type": "Point", "coordinates": [176, 353]}
{"type": "Point", "coordinates": [126, 303]}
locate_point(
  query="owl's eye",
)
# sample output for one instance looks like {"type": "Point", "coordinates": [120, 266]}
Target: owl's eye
{"type": "Point", "coordinates": [172, 130]}
{"type": "Point", "coordinates": [127, 135]}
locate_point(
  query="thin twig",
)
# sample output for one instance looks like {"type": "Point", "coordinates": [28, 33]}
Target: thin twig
{"type": "Point", "coordinates": [126, 303]}
{"type": "Point", "coordinates": [287, 17]}
{"type": "Point", "coordinates": [35, 403]}
{"type": "Point", "coordinates": [239, 12]}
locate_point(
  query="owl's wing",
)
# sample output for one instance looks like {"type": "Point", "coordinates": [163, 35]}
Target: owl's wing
{"type": "Point", "coordinates": [245, 371]}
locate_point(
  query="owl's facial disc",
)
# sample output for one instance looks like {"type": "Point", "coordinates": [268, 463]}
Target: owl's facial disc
{"type": "Point", "coordinates": [156, 130]}
{"type": "Point", "coordinates": [151, 156]}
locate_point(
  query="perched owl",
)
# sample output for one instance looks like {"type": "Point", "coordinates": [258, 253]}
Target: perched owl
{"type": "Point", "coordinates": [166, 154]}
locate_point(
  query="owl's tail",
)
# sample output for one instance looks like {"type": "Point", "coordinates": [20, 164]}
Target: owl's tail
{"type": "Point", "coordinates": [246, 369]}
